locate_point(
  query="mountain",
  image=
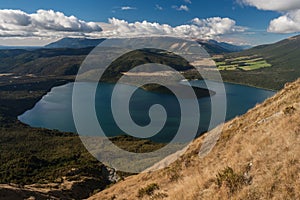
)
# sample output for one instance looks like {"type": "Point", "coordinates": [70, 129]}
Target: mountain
{"type": "Point", "coordinates": [215, 47]}
{"type": "Point", "coordinates": [232, 47]}
{"type": "Point", "coordinates": [256, 157]}
{"type": "Point", "coordinates": [61, 61]}
{"type": "Point", "coordinates": [75, 43]}
{"type": "Point", "coordinates": [212, 46]}
{"type": "Point", "coordinates": [284, 57]}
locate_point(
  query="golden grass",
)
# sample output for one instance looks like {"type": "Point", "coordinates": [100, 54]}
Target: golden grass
{"type": "Point", "coordinates": [267, 138]}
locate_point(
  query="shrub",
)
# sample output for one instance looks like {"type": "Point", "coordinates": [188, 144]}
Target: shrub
{"type": "Point", "coordinates": [289, 110]}
{"type": "Point", "coordinates": [231, 179]}
{"type": "Point", "coordinates": [148, 190]}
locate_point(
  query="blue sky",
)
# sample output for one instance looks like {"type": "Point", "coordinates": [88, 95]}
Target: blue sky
{"type": "Point", "coordinates": [253, 17]}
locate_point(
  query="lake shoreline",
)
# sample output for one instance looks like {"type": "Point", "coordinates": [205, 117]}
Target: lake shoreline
{"type": "Point", "coordinates": [239, 99]}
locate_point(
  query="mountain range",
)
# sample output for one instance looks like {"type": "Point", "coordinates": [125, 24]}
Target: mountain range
{"type": "Point", "coordinates": [215, 47]}
{"type": "Point", "coordinates": [283, 57]}
{"type": "Point", "coordinates": [212, 46]}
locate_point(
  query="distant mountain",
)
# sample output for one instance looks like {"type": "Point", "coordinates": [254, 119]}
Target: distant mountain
{"type": "Point", "coordinates": [75, 43]}
{"type": "Point", "coordinates": [231, 47]}
{"type": "Point", "coordinates": [284, 56]}
{"type": "Point", "coordinates": [215, 47]}
{"type": "Point", "coordinates": [211, 46]}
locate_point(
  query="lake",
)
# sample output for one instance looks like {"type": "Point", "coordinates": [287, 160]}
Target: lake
{"type": "Point", "coordinates": [54, 110]}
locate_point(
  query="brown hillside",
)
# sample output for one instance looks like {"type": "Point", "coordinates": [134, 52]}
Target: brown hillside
{"type": "Point", "coordinates": [256, 157]}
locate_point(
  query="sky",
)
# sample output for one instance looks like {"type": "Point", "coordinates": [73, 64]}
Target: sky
{"type": "Point", "coordinates": [242, 22]}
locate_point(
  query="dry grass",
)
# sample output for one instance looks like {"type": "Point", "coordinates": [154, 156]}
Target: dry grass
{"type": "Point", "coordinates": [261, 147]}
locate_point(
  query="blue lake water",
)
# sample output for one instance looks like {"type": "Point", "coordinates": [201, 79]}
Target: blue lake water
{"type": "Point", "coordinates": [54, 110]}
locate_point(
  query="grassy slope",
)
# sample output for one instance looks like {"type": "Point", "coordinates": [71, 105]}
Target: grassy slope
{"type": "Point", "coordinates": [257, 157]}
{"type": "Point", "coordinates": [284, 57]}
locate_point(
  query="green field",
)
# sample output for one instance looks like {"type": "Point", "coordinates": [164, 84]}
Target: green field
{"type": "Point", "coordinates": [244, 63]}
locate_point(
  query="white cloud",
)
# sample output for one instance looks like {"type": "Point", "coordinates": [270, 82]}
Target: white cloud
{"type": "Point", "coordinates": [188, 1]}
{"type": "Point", "coordinates": [288, 23]}
{"type": "Point", "coordinates": [46, 25]}
{"type": "Point", "coordinates": [181, 8]}
{"type": "Point", "coordinates": [128, 8]}
{"type": "Point", "coordinates": [14, 18]}
{"type": "Point", "coordinates": [200, 28]}
{"type": "Point", "coordinates": [57, 21]}
{"type": "Point", "coordinates": [158, 7]}
{"type": "Point", "coordinates": [275, 5]}
{"type": "Point", "coordinates": [218, 25]}
{"type": "Point", "coordinates": [43, 23]}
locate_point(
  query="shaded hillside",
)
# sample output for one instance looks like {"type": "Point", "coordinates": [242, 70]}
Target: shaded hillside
{"type": "Point", "coordinates": [256, 157]}
{"type": "Point", "coordinates": [66, 61]}
{"type": "Point", "coordinates": [284, 56]}
{"type": "Point", "coordinates": [60, 62]}
{"type": "Point", "coordinates": [42, 61]}
{"type": "Point", "coordinates": [136, 58]}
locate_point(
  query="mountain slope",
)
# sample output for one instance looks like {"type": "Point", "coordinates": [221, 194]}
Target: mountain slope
{"type": "Point", "coordinates": [284, 56]}
{"type": "Point", "coordinates": [256, 157]}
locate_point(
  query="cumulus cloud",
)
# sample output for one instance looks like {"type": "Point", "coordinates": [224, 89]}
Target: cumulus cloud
{"type": "Point", "coordinates": [199, 28]}
{"type": "Point", "coordinates": [50, 20]}
{"type": "Point", "coordinates": [188, 1]}
{"type": "Point", "coordinates": [42, 23]}
{"type": "Point", "coordinates": [218, 25]}
{"type": "Point", "coordinates": [288, 23]}
{"type": "Point", "coordinates": [50, 24]}
{"type": "Point", "coordinates": [275, 5]}
{"type": "Point", "coordinates": [14, 18]}
{"type": "Point", "coordinates": [181, 8]}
